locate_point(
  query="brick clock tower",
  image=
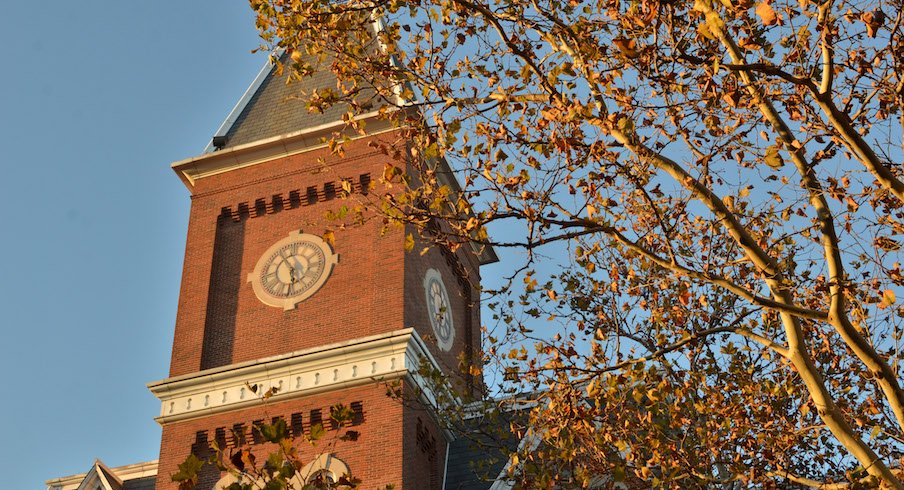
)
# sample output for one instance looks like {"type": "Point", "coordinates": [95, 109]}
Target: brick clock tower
{"type": "Point", "coordinates": [267, 301]}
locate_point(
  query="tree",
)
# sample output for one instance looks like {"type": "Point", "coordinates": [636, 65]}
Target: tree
{"type": "Point", "coordinates": [708, 200]}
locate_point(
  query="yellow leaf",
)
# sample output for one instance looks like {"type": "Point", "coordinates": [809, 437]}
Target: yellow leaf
{"type": "Point", "coordinates": [714, 22]}
{"type": "Point", "coordinates": [773, 158]}
{"type": "Point", "coordinates": [409, 242]}
{"type": "Point", "coordinates": [728, 201]}
{"type": "Point", "coordinates": [329, 237]}
{"type": "Point", "coordinates": [888, 299]}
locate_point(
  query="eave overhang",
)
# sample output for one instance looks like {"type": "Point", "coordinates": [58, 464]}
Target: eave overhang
{"type": "Point", "coordinates": [395, 355]}
{"type": "Point", "coordinates": [192, 169]}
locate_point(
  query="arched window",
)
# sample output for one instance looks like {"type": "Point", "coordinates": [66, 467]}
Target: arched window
{"type": "Point", "coordinates": [324, 470]}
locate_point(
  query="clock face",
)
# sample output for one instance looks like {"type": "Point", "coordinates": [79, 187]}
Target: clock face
{"type": "Point", "coordinates": [438, 309]}
{"type": "Point", "coordinates": [292, 270]}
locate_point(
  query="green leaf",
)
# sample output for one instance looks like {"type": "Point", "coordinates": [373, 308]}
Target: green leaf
{"type": "Point", "coordinates": [316, 432]}
{"type": "Point", "coordinates": [188, 469]}
{"type": "Point", "coordinates": [276, 431]}
{"type": "Point", "coordinates": [877, 429]}
{"type": "Point", "coordinates": [341, 414]}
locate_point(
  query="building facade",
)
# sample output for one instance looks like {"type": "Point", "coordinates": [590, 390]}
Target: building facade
{"type": "Point", "coordinates": [284, 294]}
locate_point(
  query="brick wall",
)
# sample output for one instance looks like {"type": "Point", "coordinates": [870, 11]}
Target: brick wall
{"type": "Point", "coordinates": [220, 321]}
{"type": "Point", "coordinates": [375, 288]}
{"type": "Point", "coordinates": [398, 442]}
{"type": "Point", "coordinates": [461, 278]}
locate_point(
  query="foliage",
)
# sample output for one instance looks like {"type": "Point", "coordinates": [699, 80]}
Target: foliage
{"type": "Point", "coordinates": [283, 468]}
{"type": "Point", "coordinates": [708, 200]}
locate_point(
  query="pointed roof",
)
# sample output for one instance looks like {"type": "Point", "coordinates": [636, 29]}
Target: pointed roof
{"type": "Point", "coordinates": [99, 477]}
{"type": "Point", "coordinates": [141, 476]}
{"type": "Point", "coordinates": [272, 106]}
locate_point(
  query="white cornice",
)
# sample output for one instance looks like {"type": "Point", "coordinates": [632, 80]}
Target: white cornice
{"type": "Point", "coordinates": [256, 152]}
{"type": "Point", "coordinates": [378, 358]}
{"type": "Point", "coordinates": [124, 473]}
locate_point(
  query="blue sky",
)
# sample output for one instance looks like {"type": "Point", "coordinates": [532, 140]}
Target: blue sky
{"type": "Point", "coordinates": [96, 100]}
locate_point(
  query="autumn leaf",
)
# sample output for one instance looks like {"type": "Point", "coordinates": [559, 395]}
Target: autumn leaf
{"type": "Point", "coordinates": [749, 44]}
{"type": "Point", "coordinates": [888, 299]}
{"type": "Point", "coordinates": [767, 14]}
{"type": "Point", "coordinates": [698, 236]}
{"type": "Point", "coordinates": [887, 244]}
{"type": "Point", "coordinates": [329, 237]}
{"type": "Point", "coordinates": [773, 158]}
{"type": "Point", "coordinates": [873, 21]}
{"type": "Point", "coordinates": [732, 98]}
{"type": "Point", "coordinates": [628, 47]}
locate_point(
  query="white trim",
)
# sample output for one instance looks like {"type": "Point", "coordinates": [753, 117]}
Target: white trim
{"type": "Point", "coordinates": [446, 465]}
{"type": "Point", "coordinates": [241, 104]}
{"type": "Point", "coordinates": [191, 169]}
{"type": "Point", "coordinates": [124, 473]}
{"type": "Point", "coordinates": [389, 356]}
{"type": "Point", "coordinates": [324, 461]}
{"type": "Point", "coordinates": [502, 481]}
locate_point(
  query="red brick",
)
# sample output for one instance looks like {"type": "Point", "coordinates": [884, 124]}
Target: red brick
{"type": "Point", "coordinates": [375, 288]}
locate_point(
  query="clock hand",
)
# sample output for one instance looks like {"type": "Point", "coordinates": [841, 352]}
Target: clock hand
{"type": "Point", "coordinates": [297, 267]}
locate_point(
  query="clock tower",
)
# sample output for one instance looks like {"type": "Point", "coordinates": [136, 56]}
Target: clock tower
{"type": "Point", "coordinates": [280, 294]}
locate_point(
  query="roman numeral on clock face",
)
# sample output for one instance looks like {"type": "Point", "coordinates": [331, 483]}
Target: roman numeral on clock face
{"type": "Point", "coordinates": [292, 269]}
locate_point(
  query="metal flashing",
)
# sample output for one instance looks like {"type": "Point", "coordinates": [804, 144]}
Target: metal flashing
{"type": "Point", "coordinates": [241, 104]}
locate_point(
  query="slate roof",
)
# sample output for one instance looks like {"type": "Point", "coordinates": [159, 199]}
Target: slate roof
{"type": "Point", "coordinates": [479, 454]}
{"type": "Point", "coordinates": [276, 108]}
{"type": "Point", "coordinates": [146, 483]}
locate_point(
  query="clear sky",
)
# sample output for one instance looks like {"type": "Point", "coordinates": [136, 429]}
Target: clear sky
{"type": "Point", "coordinates": [97, 98]}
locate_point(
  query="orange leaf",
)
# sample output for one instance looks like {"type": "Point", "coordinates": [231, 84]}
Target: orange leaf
{"type": "Point", "coordinates": [767, 13]}
{"type": "Point", "coordinates": [626, 46]}
{"type": "Point", "coordinates": [873, 21]}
